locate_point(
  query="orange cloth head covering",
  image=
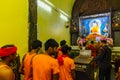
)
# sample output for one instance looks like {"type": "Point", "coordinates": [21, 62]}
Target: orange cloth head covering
{"type": "Point", "coordinates": [7, 51]}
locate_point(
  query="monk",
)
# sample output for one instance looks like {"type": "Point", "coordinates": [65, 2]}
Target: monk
{"type": "Point", "coordinates": [7, 54]}
{"type": "Point", "coordinates": [91, 47]}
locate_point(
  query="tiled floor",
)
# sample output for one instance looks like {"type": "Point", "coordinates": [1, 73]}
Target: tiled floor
{"type": "Point", "coordinates": [81, 75]}
{"type": "Point", "coordinates": [112, 74]}
{"type": "Point", "coordinates": [95, 75]}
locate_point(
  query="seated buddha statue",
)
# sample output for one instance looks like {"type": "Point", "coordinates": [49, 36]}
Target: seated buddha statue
{"type": "Point", "coordinates": [94, 28]}
{"type": "Point", "coordinates": [94, 31]}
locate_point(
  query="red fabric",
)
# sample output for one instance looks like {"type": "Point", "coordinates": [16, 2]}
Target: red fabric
{"type": "Point", "coordinates": [60, 59]}
{"type": "Point", "coordinates": [59, 49]}
{"type": "Point", "coordinates": [66, 68]}
{"type": "Point", "coordinates": [92, 48]}
{"type": "Point", "coordinates": [7, 51]}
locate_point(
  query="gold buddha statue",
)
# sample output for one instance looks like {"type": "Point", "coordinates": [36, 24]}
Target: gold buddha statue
{"type": "Point", "coordinates": [94, 28]}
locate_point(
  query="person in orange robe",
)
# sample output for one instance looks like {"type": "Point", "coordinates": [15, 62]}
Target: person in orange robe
{"type": "Point", "coordinates": [66, 64]}
{"type": "Point", "coordinates": [7, 54]}
{"type": "Point", "coordinates": [92, 48]}
{"type": "Point", "coordinates": [26, 66]}
{"type": "Point", "coordinates": [62, 43]}
{"type": "Point", "coordinates": [44, 66]}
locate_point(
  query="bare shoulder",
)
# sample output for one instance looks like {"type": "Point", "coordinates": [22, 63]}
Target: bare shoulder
{"type": "Point", "coordinates": [6, 73]}
{"type": "Point", "coordinates": [5, 70]}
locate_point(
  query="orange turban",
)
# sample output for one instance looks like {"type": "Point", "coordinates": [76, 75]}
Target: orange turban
{"type": "Point", "coordinates": [7, 51]}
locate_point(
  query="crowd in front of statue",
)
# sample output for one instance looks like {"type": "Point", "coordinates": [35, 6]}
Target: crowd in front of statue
{"type": "Point", "coordinates": [54, 62]}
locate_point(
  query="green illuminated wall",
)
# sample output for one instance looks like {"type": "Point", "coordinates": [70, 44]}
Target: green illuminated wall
{"type": "Point", "coordinates": [14, 24]}
{"type": "Point", "coordinates": [50, 25]}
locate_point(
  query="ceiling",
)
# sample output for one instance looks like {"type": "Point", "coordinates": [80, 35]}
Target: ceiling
{"type": "Point", "coordinates": [64, 5]}
{"type": "Point", "coordinates": [89, 7]}
{"type": "Point", "coordinates": [83, 7]}
{"type": "Point", "coordinates": [75, 8]}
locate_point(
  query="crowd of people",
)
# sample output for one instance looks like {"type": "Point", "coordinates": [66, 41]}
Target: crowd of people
{"type": "Point", "coordinates": [54, 63]}
{"type": "Point", "coordinates": [45, 66]}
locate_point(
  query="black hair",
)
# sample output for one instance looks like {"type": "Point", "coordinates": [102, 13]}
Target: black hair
{"type": "Point", "coordinates": [69, 48]}
{"type": "Point", "coordinates": [92, 42]}
{"type": "Point", "coordinates": [50, 43]}
{"type": "Point", "coordinates": [83, 36]}
{"type": "Point", "coordinates": [65, 49]}
{"type": "Point", "coordinates": [62, 42]}
{"type": "Point", "coordinates": [104, 41]}
{"type": "Point", "coordinates": [36, 44]}
{"type": "Point", "coordinates": [9, 45]}
{"type": "Point", "coordinates": [3, 58]}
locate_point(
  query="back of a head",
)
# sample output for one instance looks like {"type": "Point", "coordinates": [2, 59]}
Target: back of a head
{"type": "Point", "coordinates": [36, 44]}
{"type": "Point", "coordinates": [9, 45]}
{"type": "Point", "coordinates": [50, 43]}
{"type": "Point", "coordinates": [83, 36]}
{"type": "Point", "coordinates": [69, 48]}
{"type": "Point", "coordinates": [103, 41]}
{"type": "Point", "coordinates": [92, 42]}
{"type": "Point", "coordinates": [65, 49]}
{"type": "Point", "coordinates": [63, 42]}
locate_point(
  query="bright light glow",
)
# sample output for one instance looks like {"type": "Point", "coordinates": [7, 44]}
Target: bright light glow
{"type": "Point", "coordinates": [64, 13]}
{"type": "Point", "coordinates": [63, 17]}
{"type": "Point", "coordinates": [44, 5]}
{"type": "Point", "coordinates": [49, 3]}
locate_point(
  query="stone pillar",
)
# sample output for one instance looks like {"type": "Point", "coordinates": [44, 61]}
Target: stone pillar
{"type": "Point", "coordinates": [32, 22]}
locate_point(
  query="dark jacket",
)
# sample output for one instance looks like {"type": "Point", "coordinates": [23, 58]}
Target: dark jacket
{"type": "Point", "coordinates": [104, 57]}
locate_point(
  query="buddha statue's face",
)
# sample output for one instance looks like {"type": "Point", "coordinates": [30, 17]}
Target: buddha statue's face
{"type": "Point", "coordinates": [94, 24]}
